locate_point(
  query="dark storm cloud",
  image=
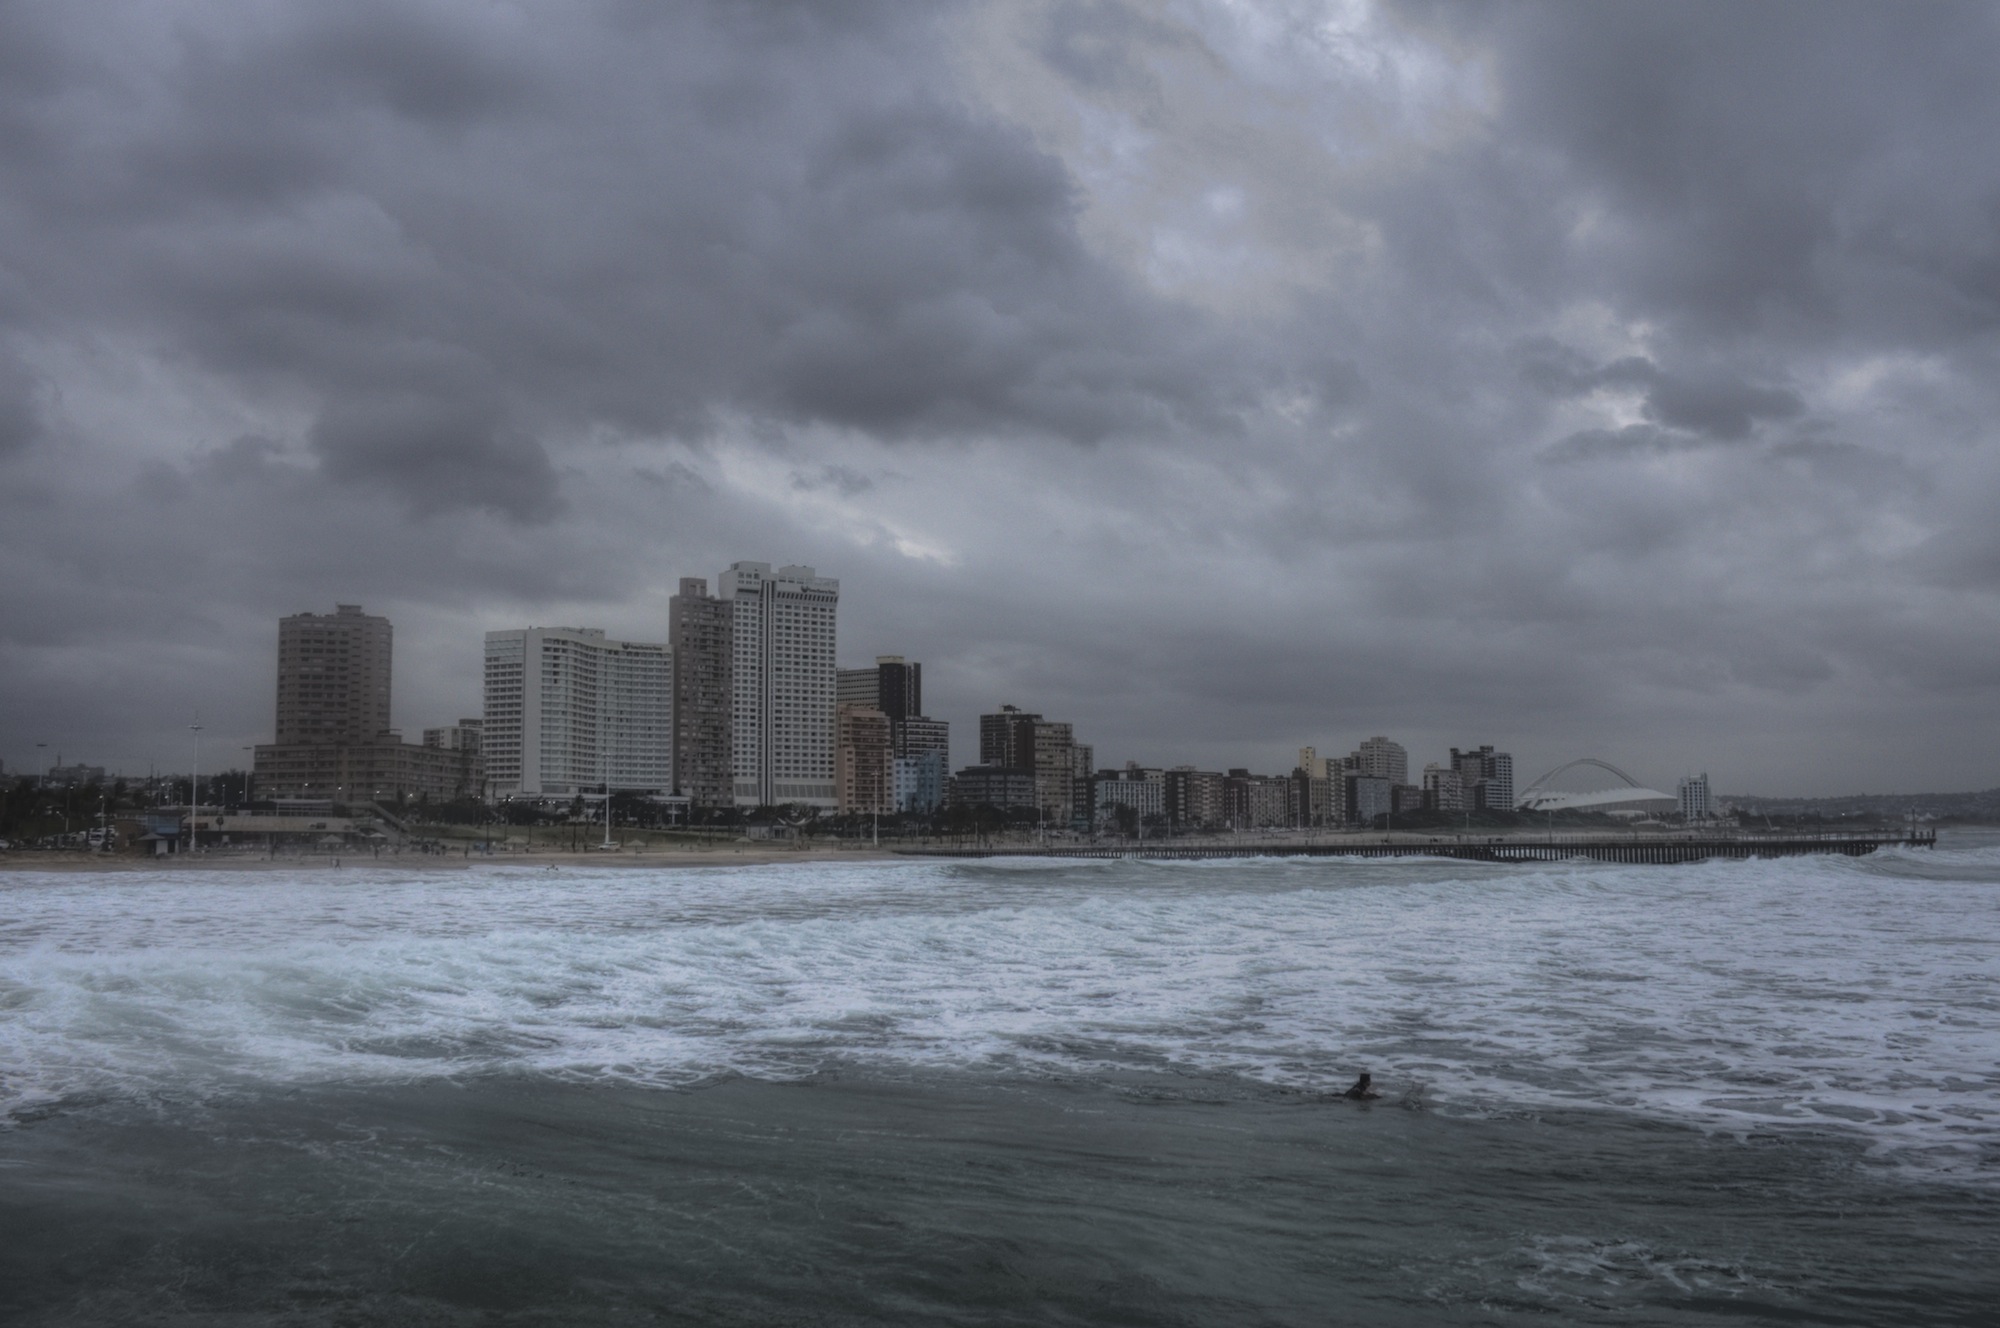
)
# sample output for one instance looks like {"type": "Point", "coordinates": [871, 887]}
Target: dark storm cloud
{"type": "Point", "coordinates": [458, 238]}
{"type": "Point", "coordinates": [1565, 374]}
{"type": "Point", "coordinates": [1719, 406]}
{"type": "Point", "coordinates": [1788, 170]}
{"type": "Point", "coordinates": [20, 414]}
{"type": "Point", "coordinates": [440, 451]}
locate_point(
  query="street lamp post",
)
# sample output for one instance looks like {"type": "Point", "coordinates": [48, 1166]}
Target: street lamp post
{"type": "Point", "coordinates": [604, 762]}
{"type": "Point", "coordinates": [249, 773]}
{"type": "Point", "coordinates": [194, 789]}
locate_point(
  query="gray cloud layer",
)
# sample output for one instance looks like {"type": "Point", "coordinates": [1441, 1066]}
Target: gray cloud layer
{"type": "Point", "coordinates": [1591, 378]}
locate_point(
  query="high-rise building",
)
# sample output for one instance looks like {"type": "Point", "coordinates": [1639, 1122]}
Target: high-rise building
{"type": "Point", "coordinates": [569, 710]}
{"type": "Point", "coordinates": [1471, 770]}
{"type": "Point", "coordinates": [1694, 799]}
{"type": "Point", "coordinates": [1488, 777]}
{"type": "Point", "coordinates": [891, 684]}
{"type": "Point", "coordinates": [1055, 774]}
{"type": "Point", "coordinates": [1194, 798]}
{"type": "Point", "coordinates": [699, 631]}
{"type": "Point", "coordinates": [1319, 788]}
{"type": "Point", "coordinates": [783, 682]}
{"type": "Point", "coordinates": [857, 686]}
{"type": "Point", "coordinates": [1387, 760]}
{"type": "Point", "coordinates": [1498, 790]}
{"type": "Point", "coordinates": [1256, 802]}
{"type": "Point", "coordinates": [900, 687]}
{"type": "Point", "coordinates": [1020, 740]}
{"type": "Point", "coordinates": [1315, 765]}
{"type": "Point", "coordinates": [1444, 789]}
{"type": "Point", "coordinates": [333, 677]}
{"type": "Point", "coordinates": [863, 761]}
{"type": "Point", "coordinates": [918, 734]}
{"type": "Point", "coordinates": [1269, 801]}
{"type": "Point", "coordinates": [463, 736]}
{"type": "Point", "coordinates": [1082, 774]}
{"type": "Point", "coordinates": [334, 739]}
{"type": "Point", "coordinates": [1310, 802]}
{"type": "Point", "coordinates": [1000, 737]}
{"type": "Point", "coordinates": [895, 686]}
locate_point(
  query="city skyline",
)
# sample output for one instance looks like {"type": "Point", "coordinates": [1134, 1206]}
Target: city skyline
{"type": "Point", "coordinates": [1374, 754]}
{"type": "Point", "coordinates": [568, 711]}
{"type": "Point", "coordinates": [1598, 380]}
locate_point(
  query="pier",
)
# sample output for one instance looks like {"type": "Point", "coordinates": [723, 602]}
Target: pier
{"type": "Point", "coordinates": [1663, 849]}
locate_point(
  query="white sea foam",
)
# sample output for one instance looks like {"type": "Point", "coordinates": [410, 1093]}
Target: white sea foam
{"type": "Point", "coordinates": [1847, 994]}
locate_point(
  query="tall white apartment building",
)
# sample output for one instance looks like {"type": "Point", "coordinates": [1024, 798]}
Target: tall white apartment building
{"type": "Point", "coordinates": [1383, 759]}
{"type": "Point", "coordinates": [1696, 805]}
{"type": "Point", "coordinates": [1444, 788]}
{"type": "Point", "coordinates": [568, 709]}
{"type": "Point", "coordinates": [784, 683]}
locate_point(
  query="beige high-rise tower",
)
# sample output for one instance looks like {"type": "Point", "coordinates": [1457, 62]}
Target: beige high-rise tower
{"type": "Point", "coordinates": [333, 677]}
{"type": "Point", "coordinates": [334, 742]}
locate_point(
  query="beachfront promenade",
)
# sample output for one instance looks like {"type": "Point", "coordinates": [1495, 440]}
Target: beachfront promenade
{"type": "Point", "coordinates": [1549, 848]}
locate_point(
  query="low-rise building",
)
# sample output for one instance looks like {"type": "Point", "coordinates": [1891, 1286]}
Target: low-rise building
{"type": "Point", "coordinates": [1003, 788]}
{"type": "Point", "coordinates": [1194, 798]}
{"type": "Point", "coordinates": [1367, 798]}
{"type": "Point", "coordinates": [1142, 789]}
{"type": "Point", "coordinates": [920, 781]}
{"type": "Point", "coordinates": [382, 771]}
{"type": "Point", "coordinates": [463, 740]}
{"type": "Point", "coordinates": [1256, 802]}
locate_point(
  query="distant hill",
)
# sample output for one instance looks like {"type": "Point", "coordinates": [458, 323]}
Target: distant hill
{"type": "Point", "coordinates": [1980, 806]}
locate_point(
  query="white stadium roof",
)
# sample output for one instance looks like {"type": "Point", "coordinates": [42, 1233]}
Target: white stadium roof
{"type": "Point", "coordinates": [1603, 800]}
{"type": "Point", "coordinates": [1629, 796]}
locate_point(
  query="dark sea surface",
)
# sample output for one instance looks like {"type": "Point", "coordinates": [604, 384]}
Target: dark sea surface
{"type": "Point", "coordinates": [1006, 1093]}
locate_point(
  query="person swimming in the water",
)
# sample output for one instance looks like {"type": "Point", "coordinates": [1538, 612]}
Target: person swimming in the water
{"type": "Point", "coordinates": [1363, 1090]}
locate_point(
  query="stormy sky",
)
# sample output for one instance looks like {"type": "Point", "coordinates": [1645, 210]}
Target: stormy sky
{"type": "Point", "coordinates": [1589, 379]}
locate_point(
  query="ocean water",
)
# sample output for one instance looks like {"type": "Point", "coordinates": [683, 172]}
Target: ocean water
{"type": "Point", "coordinates": [1005, 1092]}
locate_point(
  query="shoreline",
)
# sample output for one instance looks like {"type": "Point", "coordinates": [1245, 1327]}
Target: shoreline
{"type": "Point", "coordinates": [61, 861]}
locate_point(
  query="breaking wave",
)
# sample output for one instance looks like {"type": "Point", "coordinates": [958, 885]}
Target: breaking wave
{"type": "Point", "coordinates": [1851, 995]}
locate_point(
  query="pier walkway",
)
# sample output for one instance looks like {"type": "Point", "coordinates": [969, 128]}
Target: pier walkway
{"type": "Point", "coordinates": [1521, 848]}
